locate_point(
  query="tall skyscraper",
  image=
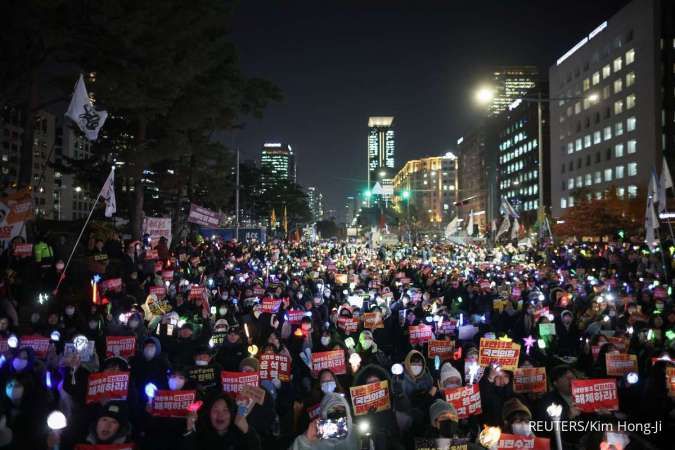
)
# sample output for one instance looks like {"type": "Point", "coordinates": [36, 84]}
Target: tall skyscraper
{"type": "Point", "coordinates": [612, 121]}
{"type": "Point", "coordinates": [315, 203]}
{"type": "Point", "coordinates": [350, 210]}
{"type": "Point", "coordinates": [509, 84]}
{"type": "Point", "coordinates": [279, 160]}
{"type": "Point", "coordinates": [380, 151]}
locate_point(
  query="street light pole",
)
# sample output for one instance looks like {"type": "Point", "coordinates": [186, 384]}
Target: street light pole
{"type": "Point", "coordinates": [541, 211]}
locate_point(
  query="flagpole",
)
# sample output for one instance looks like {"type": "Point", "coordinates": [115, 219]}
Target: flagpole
{"type": "Point", "coordinates": [65, 269]}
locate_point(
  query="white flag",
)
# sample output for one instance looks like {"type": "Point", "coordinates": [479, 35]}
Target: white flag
{"type": "Point", "coordinates": [81, 110]}
{"type": "Point", "coordinates": [515, 229]}
{"type": "Point", "coordinates": [651, 222]}
{"type": "Point", "coordinates": [506, 208]}
{"type": "Point", "coordinates": [653, 188]}
{"type": "Point", "coordinates": [452, 227]}
{"type": "Point", "coordinates": [504, 227]}
{"type": "Point", "coordinates": [665, 183]}
{"type": "Point", "coordinates": [469, 227]}
{"type": "Point", "coordinates": [108, 194]}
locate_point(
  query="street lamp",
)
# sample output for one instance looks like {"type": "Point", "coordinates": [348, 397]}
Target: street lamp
{"type": "Point", "coordinates": [485, 94]}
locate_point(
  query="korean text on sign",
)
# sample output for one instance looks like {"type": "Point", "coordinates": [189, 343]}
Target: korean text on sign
{"type": "Point", "coordinates": [595, 394]}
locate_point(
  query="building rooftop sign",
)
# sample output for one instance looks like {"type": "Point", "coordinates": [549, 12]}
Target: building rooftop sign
{"type": "Point", "coordinates": [582, 42]}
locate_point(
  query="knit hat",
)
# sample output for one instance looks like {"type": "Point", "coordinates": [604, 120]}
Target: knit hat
{"type": "Point", "coordinates": [512, 406]}
{"type": "Point", "coordinates": [116, 410]}
{"type": "Point", "coordinates": [439, 407]}
{"type": "Point", "coordinates": [448, 371]}
{"type": "Point", "coordinates": [250, 362]}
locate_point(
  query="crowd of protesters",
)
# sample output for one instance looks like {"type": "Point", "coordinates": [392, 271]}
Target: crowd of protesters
{"type": "Point", "coordinates": [183, 321]}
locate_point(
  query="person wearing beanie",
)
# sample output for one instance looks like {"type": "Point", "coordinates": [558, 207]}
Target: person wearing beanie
{"type": "Point", "coordinates": [111, 425]}
{"type": "Point", "coordinates": [444, 420]}
{"type": "Point", "coordinates": [516, 417]}
{"type": "Point", "coordinates": [204, 372]}
{"type": "Point", "coordinates": [449, 377]}
{"type": "Point", "coordinates": [249, 364]}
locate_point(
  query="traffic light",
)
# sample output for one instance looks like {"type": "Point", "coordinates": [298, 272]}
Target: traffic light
{"type": "Point", "coordinates": [405, 195]}
{"type": "Point", "coordinates": [367, 193]}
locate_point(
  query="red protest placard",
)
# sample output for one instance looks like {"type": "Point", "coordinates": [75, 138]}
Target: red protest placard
{"type": "Point", "coordinates": [348, 324]}
{"type": "Point", "coordinates": [529, 379]}
{"type": "Point", "coordinates": [419, 334]}
{"type": "Point", "coordinates": [372, 321]}
{"type": "Point", "coordinates": [333, 360]}
{"type": "Point", "coordinates": [23, 250]}
{"type": "Point", "coordinates": [503, 353]}
{"type": "Point", "coordinates": [39, 344]}
{"type": "Point", "coordinates": [196, 292]}
{"type": "Point", "coordinates": [274, 366]}
{"type": "Point", "coordinates": [172, 403]}
{"type": "Point", "coordinates": [112, 285]}
{"type": "Point", "coordinates": [233, 382]}
{"type": "Point", "coordinates": [129, 446]}
{"type": "Point", "coordinates": [107, 386]}
{"type": "Point", "coordinates": [516, 441]}
{"type": "Point", "coordinates": [485, 284]}
{"type": "Point", "coordinates": [370, 397]}
{"type": "Point", "coordinates": [167, 275]}
{"type": "Point", "coordinates": [448, 326]}
{"type": "Point", "coordinates": [258, 291]}
{"type": "Point", "coordinates": [159, 291]}
{"type": "Point", "coordinates": [271, 305]}
{"type": "Point", "coordinates": [670, 374]}
{"type": "Point", "coordinates": [442, 348]}
{"type": "Point", "coordinates": [151, 254]}
{"type": "Point", "coordinates": [294, 316]}
{"type": "Point", "coordinates": [465, 399]}
{"type": "Point", "coordinates": [660, 293]}
{"type": "Point", "coordinates": [619, 364]}
{"type": "Point", "coordinates": [124, 346]}
{"type": "Point", "coordinates": [591, 395]}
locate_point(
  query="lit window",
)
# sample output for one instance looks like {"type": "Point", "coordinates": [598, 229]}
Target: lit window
{"type": "Point", "coordinates": [605, 92]}
{"type": "Point", "coordinates": [577, 144]}
{"type": "Point", "coordinates": [570, 201]}
{"type": "Point", "coordinates": [597, 137]}
{"type": "Point", "coordinates": [617, 64]}
{"type": "Point", "coordinates": [579, 182]}
{"type": "Point", "coordinates": [606, 71]}
{"type": "Point", "coordinates": [631, 123]}
{"type": "Point", "coordinates": [632, 169]}
{"type": "Point", "coordinates": [577, 107]}
{"type": "Point", "coordinates": [588, 179]}
{"type": "Point", "coordinates": [586, 84]}
{"type": "Point", "coordinates": [597, 177]}
{"type": "Point", "coordinates": [618, 172]}
{"type": "Point", "coordinates": [632, 191]}
{"type": "Point", "coordinates": [587, 141]}
{"type": "Point", "coordinates": [620, 192]}
{"type": "Point", "coordinates": [618, 129]}
{"type": "Point", "coordinates": [607, 133]}
{"type": "Point", "coordinates": [631, 146]}
{"type": "Point", "coordinates": [618, 85]}
{"type": "Point", "coordinates": [618, 107]}
{"type": "Point", "coordinates": [608, 174]}
{"type": "Point", "coordinates": [630, 78]}
{"type": "Point", "coordinates": [570, 148]}
{"type": "Point", "coordinates": [570, 183]}
{"type": "Point", "coordinates": [630, 101]}
{"type": "Point", "coordinates": [630, 56]}
{"type": "Point", "coordinates": [587, 104]}
{"type": "Point", "coordinates": [563, 203]}
{"type": "Point", "coordinates": [596, 78]}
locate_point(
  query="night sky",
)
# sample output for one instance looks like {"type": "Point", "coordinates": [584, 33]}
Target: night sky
{"type": "Point", "coordinates": [338, 62]}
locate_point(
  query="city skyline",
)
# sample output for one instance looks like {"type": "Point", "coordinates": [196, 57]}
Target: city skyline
{"type": "Point", "coordinates": [425, 76]}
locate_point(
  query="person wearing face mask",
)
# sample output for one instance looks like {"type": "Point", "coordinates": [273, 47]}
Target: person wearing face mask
{"type": "Point", "coordinates": [25, 407]}
{"type": "Point", "coordinates": [516, 417]}
{"type": "Point", "coordinates": [205, 374]}
{"type": "Point", "coordinates": [567, 335]}
{"type": "Point", "coordinates": [149, 366]}
{"type": "Point", "coordinates": [369, 352]}
{"type": "Point", "coordinates": [444, 421]}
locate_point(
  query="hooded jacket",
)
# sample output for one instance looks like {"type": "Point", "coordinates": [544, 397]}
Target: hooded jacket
{"type": "Point", "coordinates": [411, 383]}
{"type": "Point", "coordinates": [145, 371]}
{"type": "Point", "coordinates": [329, 403]}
